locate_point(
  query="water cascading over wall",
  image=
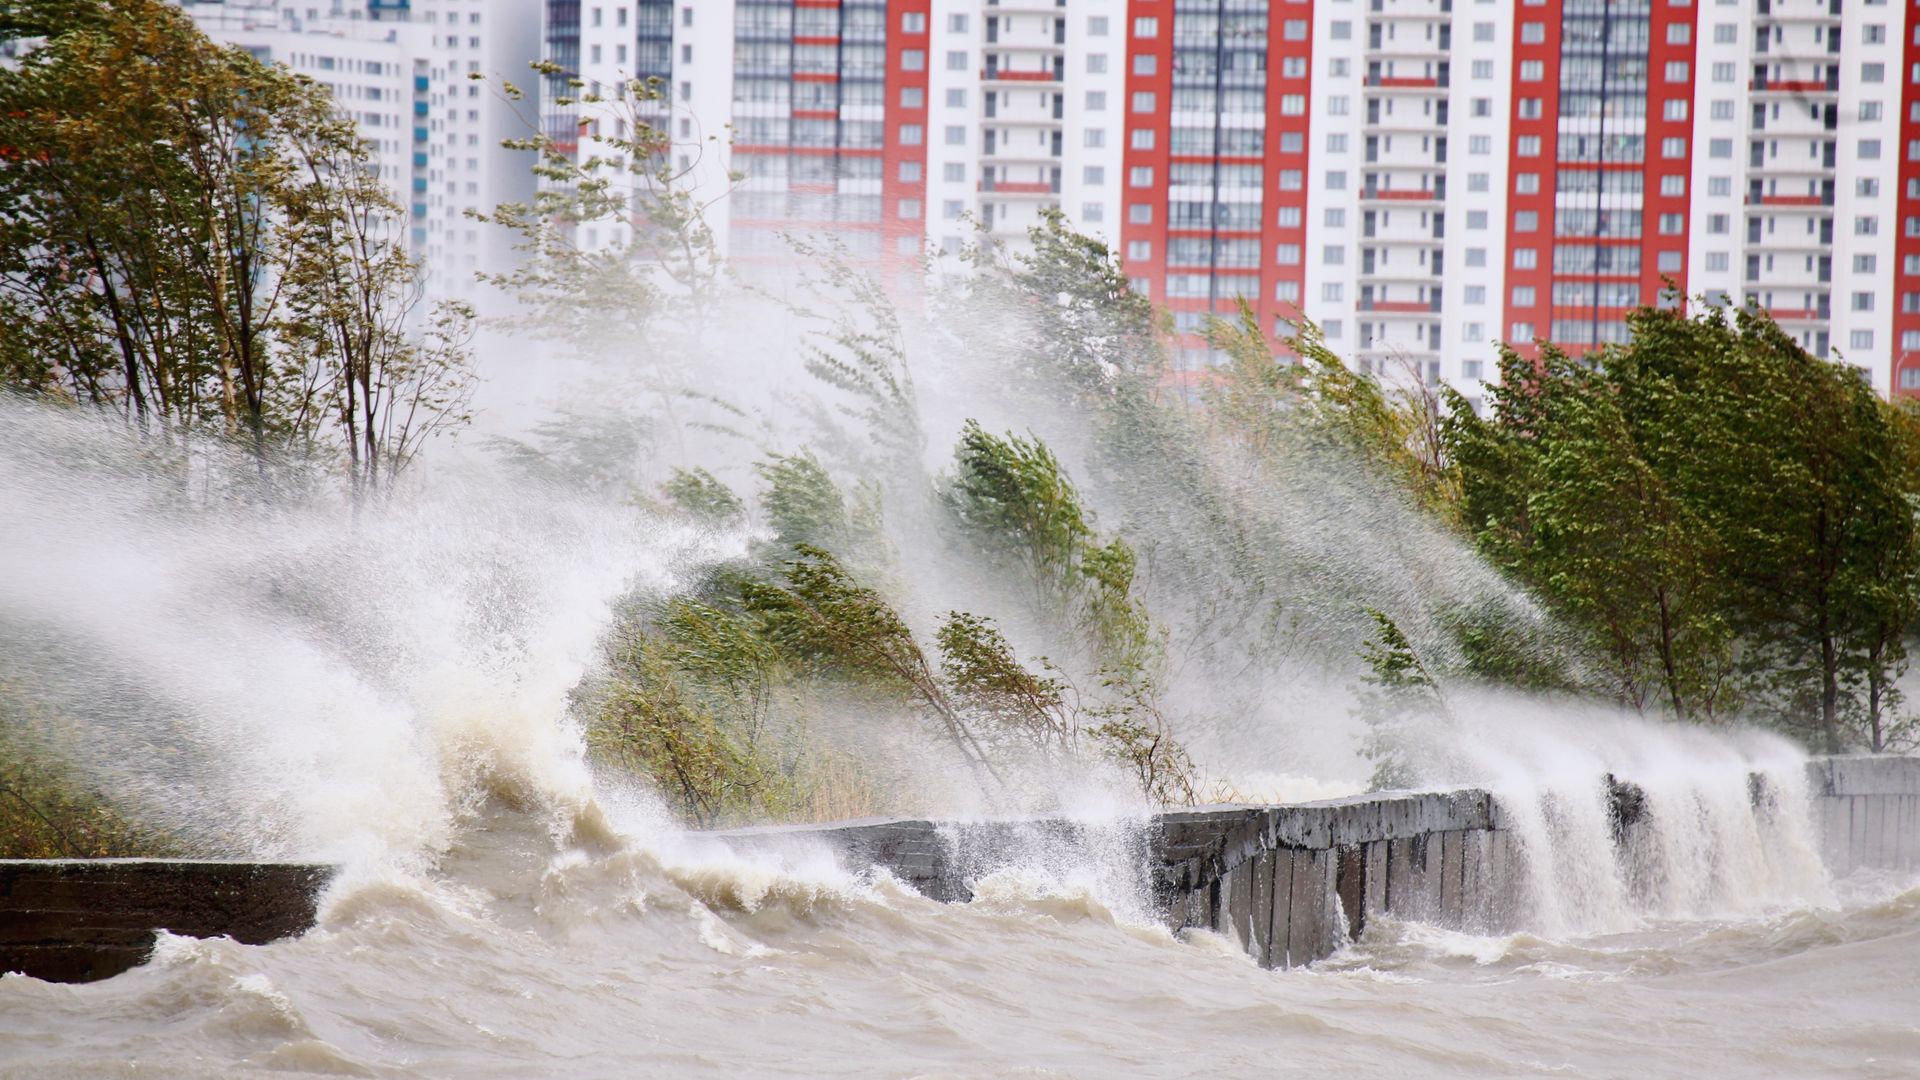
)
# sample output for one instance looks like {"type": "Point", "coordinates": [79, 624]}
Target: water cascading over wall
{"type": "Point", "coordinates": [1292, 883]}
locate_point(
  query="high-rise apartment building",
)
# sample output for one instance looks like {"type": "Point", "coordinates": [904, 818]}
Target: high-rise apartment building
{"type": "Point", "coordinates": [401, 69]}
{"type": "Point", "coordinates": [1423, 178]}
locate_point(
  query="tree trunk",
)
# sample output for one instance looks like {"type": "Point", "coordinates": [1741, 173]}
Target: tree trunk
{"type": "Point", "coordinates": [1830, 691]}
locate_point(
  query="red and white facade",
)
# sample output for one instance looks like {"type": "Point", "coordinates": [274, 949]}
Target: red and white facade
{"type": "Point", "coordinates": [1423, 178]}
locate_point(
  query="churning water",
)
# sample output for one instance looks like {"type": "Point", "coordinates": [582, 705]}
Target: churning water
{"type": "Point", "coordinates": [390, 690]}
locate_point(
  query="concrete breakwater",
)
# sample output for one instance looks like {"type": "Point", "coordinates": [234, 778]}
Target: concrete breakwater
{"type": "Point", "coordinates": [76, 920]}
{"type": "Point", "coordinates": [1290, 883]}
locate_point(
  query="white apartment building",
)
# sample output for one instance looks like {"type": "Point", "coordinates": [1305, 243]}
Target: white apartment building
{"type": "Point", "coordinates": [400, 69]}
{"type": "Point", "coordinates": [1423, 178]}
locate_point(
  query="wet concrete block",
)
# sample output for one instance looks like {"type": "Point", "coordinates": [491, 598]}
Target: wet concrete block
{"type": "Point", "coordinates": [1280, 915]}
{"type": "Point", "coordinates": [1240, 904]}
{"type": "Point", "coordinates": [1350, 886]}
{"type": "Point", "coordinates": [1376, 892]}
{"type": "Point", "coordinates": [1856, 832]}
{"type": "Point", "coordinates": [1311, 924]}
{"type": "Point", "coordinates": [1476, 897]}
{"type": "Point", "coordinates": [75, 920]}
{"type": "Point", "coordinates": [1261, 910]}
{"type": "Point", "coordinates": [1452, 876]}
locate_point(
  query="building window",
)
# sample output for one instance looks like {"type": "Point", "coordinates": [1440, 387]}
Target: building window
{"type": "Point", "coordinates": [1139, 250]}
{"type": "Point", "coordinates": [1533, 33]}
{"type": "Point", "coordinates": [1525, 258]}
{"type": "Point", "coordinates": [1474, 295]}
{"type": "Point", "coordinates": [1144, 101]}
{"type": "Point", "coordinates": [1863, 301]}
{"type": "Point", "coordinates": [1093, 212]}
{"type": "Point", "coordinates": [1479, 144]}
{"type": "Point", "coordinates": [956, 60]}
{"type": "Point", "coordinates": [1873, 73]}
{"type": "Point", "coordinates": [1673, 148]}
{"type": "Point", "coordinates": [952, 209]}
{"type": "Point", "coordinates": [1675, 109]}
{"type": "Point", "coordinates": [1523, 296]}
{"type": "Point", "coordinates": [1720, 148]}
{"type": "Point", "coordinates": [1532, 71]}
{"type": "Point", "coordinates": [956, 135]}
{"type": "Point", "coordinates": [1094, 175]}
{"type": "Point", "coordinates": [1670, 262]}
{"type": "Point", "coordinates": [913, 22]}
{"type": "Point", "coordinates": [1140, 213]}
{"type": "Point", "coordinates": [1291, 180]}
{"type": "Point", "coordinates": [1096, 101]}
{"type": "Point", "coordinates": [1526, 221]}
{"type": "Point", "coordinates": [1678, 70]}
{"type": "Point", "coordinates": [913, 60]}
{"type": "Point", "coordinates": [954, 172]}
{"type": "Point", "coordinates": [1340, 30]}
{"type": "Point", "coordinates": [1476, 219]}
{"type": "Point", "coordinates": [1293, 104]}
{"type": "Point", "coordinates": [1470, 369]}
{"type": "Point", "coordinates": [1333, 255]}
{"type": "Point", "coordinates": [909, 208]}
{"type": "Point", "coordinates": [1141, 139]}
{"type": "Point", "coordinates": [1717, 224]}
{"type": "Point", "coordinates": [1337, 180]}
{"type": "Point", "coordinates": [1146, 27]}
{"type": "Point", "coordinates": [1869, 150]}
{"type": "Point", "coordinates": [1860, 339]}
{"type": "Point", "coordinates": [1287, 255]}
{"type": "Point", "coordinates": [1479, 181]}
{"type": "Point", "coordinates": [1333, 292]}
{"type": "Point", "coordinates": [1096, 25]}
{"type": "Point", "coordinates": [912, 135]}
{"type": "Point", "coordinates": [1521, 331]}
{"type": "Point", "coordinates": [1717, 261]}
{"type": "Point", "coordinates": [1140, 176]}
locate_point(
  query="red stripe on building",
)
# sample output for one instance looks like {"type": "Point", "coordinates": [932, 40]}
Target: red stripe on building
{"type": "Point", "coordinates": [1541, 135]}
{"type": "Point", "coordinates": [1906, 245]}
{"type": "Point", "coordinates": [903, 194]}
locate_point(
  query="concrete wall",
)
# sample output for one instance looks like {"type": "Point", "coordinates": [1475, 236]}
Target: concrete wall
{"type": "Point", "coordinates": [1289, 882]}
{"type": "Point", "coordinates": [74, 920]}
{"type": "Point", "coordinates": [1292, 882]}
{"type": "Point", "coordinates": [1866, 812]}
